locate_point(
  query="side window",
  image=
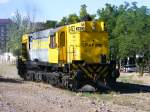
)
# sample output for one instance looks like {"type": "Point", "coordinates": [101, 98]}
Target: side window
{"type": "Point", "coordinates": [53, 42]}
{"type": "Point", "coordinates": [30, 40]}
{"type": "Point", "coordinates": [62, 39]}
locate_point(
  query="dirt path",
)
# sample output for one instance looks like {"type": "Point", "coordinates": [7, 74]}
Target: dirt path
{"type": "Point", "coordinates": [17, 95]}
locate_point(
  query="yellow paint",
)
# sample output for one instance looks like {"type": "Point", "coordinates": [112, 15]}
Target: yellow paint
{"type": "Point", "coordinates": [88, 44]}
{"type": "Point", "coordinates": [62, 45]}
{"type": "Point", "coordinates": [40, 44]}
{"type": "Point", "coordinates": [24, 50]}
{"type": "Point", "coordinates": [93, 45]}
{"type": "Point", "coordinates": [82, 41]}
{"type": "Point", "coordinates": [25, 38]}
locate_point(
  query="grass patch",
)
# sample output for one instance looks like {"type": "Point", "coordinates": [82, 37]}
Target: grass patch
{"type": "Point", "coordinates": [100, 97]}
{"type": "Point", "coordinates": [130, 79]}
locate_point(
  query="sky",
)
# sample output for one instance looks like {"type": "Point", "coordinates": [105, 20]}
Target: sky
{"type": "Point", "coordinates": [42, 10]}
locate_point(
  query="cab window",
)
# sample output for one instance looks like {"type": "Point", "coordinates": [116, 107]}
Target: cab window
{"type": "Point", "coordinates": [62, 39]}
{"type": "Point", "coordinates": [53, 42]}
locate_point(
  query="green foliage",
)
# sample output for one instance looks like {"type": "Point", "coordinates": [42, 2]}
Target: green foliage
{"type": "Point", "coordinates": [83, 11]}
{"type": "Point", "coordinates": [63, 21]}
{"type": "Point", "coordinates": [73, 18]}
{"type": "Point", "coordinates": [18, 27]}
{"type": "Point", "coordinates": [109, 15]}
{"type": "Point", "coordinates": [128, 28]}
{"type": "Point", "coordinates": [129, 31]}
{"type": "Point", "coordinates": [50, 24]}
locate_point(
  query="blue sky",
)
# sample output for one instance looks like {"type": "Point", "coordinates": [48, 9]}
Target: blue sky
{"type": "Point", "coordinates": [42, 10]}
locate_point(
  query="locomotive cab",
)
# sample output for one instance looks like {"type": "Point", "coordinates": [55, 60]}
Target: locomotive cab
{"type": "Point", "coordinates": [83, 41]}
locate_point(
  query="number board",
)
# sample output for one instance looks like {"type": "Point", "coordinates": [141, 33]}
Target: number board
{"type": "Point", "coordinates": [76, 28]}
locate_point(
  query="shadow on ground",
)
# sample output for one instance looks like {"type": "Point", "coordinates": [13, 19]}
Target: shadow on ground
{"type": "Point", "coordinates": [122, 87]}
{"type": "Point", "coordinates": [8, 80]}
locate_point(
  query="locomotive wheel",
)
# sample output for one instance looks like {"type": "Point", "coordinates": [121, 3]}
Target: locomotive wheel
{"type": "Point", "coordinates": [75, 85]}
{"type": "Point", "coordinates": [22, 74]}
{"type": "Point", "coordinates": [52, 81]}
{"type": "Point", "coordinates": [38, 77]}
{"type": "Point", "coordinates": [48, 81]}
{"type": "Point", "coordinates": [28, 77]}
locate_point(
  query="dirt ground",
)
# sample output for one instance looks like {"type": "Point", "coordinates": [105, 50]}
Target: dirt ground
{"type": "Point", "coordinates": [131, 94]}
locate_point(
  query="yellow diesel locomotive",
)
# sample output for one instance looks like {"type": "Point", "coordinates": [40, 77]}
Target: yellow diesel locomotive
{"type": "Point", "coordinates": [69, 56]}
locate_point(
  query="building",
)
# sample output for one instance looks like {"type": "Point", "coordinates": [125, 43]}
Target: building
{"type": "Point", "coordinates": [4, 25]}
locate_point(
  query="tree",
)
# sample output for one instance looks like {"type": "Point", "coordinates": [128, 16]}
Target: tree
{"type": "Point", "coordinates": [73, 18]}
{"type": "Point", "coordinates": [128, 27]}
{"type": "Point", "coordinates": [63, 21]}
{"type": "Point", "coordinates": [50, 24]}
{"type": "Point", "coordinates": [84, 15]}
{"type": "Point", "coordinates": [83, 11]}
{"type": "Point", "coordinates": [18, 27]}
{"type": "Point", "coordinates": [109, 15]}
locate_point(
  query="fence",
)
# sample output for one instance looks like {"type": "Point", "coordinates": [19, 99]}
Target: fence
{"type": "Point", "coordinates": [7, 58]}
